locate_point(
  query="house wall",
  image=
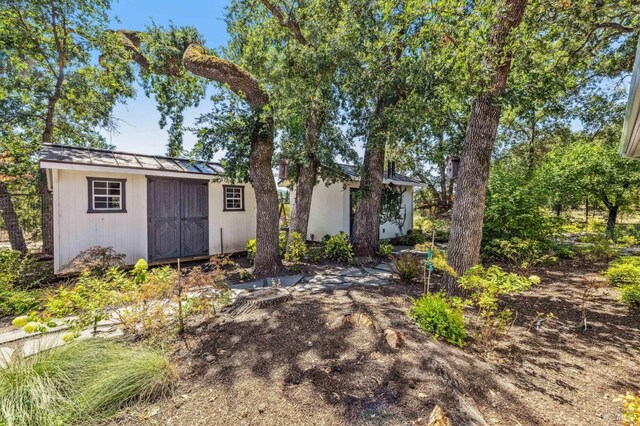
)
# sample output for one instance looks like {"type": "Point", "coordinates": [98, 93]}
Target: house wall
{"type": "Point", "coordinates": [76, 230]}
{"type": "Point", "coordinates": [330, 211]}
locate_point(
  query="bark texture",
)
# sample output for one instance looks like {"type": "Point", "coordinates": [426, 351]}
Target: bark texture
{"type": "Point", "coordinates": [366, 221]}
{"type": "Point", "coordinates": [468, 209]}
{"type": "Point", "coordinates": [10, 219]}
{"type": "Point", "coordinates": [242, 83]}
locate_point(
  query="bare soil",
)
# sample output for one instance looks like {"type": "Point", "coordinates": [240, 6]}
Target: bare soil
{"type": "Point", "coordinates": [301, 363]}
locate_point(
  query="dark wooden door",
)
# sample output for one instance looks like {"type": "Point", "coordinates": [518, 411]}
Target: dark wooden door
{"type": "Point", "coordinates": [177, 218]}
{"type": "Point", "coordinates": [194, 208]}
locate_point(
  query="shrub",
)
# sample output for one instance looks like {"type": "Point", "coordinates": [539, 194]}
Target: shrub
{"type": "Point", "coordinates": [627, 241]}
{"type": "Point", "coordinates": [22, 271]}
{"type": "Point", "coordinates": [485, 286]}
{"type": "Point", "coordinates": [338, 247]}
{"type": "Point", "coordinates": [440, 317]}
{"type": "Point", "coordinates": [631, 296]}
{"type": "Point", "coordinates": [297, 249]}
{"type": "Point", "coordinates": [631, 406]}
{"type": "Point", "coordinates": [82, 382]}
{"type": "Point", "coordinates": [627, 260]}
{"type": "Point", "coordinates": [95, 260]}
{"type": "Point", "coordinates": [438, 258]}
{"type": "Point", "coordinates": [597, 247]}
{"type": "Point", "coordinates": [315, 253]}
{"type": "Point", "coordinates": [18, 302]}
{"type": "Point", "coordinates": [251, 249]}
{"type": "Point", "coordinates": [521, 252]}
{"type": "Point", "coordinates": [623, 274]}
{"type": "Point", "coordinates": [412, 238]}
{"type": "Point", "coordinates": [407, 267]}
{"type": "Point", "coordinates": [385, 248]}
{"type": "Point", "coordinates": [440, 228]}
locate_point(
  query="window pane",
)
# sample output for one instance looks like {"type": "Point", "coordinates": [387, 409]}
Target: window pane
{"type": "Point", "coordinates": [99, 184]}
{"type": "Point", "coordinates": [99, 191]}
{"type": "Point", "coordinates": [114, 185]}
{"type": "Point", "coordinates": [114, 191]}
{"type": "Point", "coordinates": [100, 205]}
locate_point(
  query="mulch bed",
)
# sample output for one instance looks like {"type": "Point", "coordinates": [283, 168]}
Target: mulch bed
{"type": "Point", "coordinates": [302, 363]}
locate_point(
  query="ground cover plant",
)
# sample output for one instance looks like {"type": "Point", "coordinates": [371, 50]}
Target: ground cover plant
{"type": "Point", "coordinates": [441, 317]}
{"type": "Point", "coordinates": [82, 382]}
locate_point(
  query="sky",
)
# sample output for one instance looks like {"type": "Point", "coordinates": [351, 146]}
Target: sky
{"type": "Point", "coordinates": [138, 129]}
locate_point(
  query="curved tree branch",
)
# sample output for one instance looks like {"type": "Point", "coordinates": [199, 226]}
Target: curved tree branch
{"type": "Point", "coordinates": [211, 67]}
{"type": "Point", "coordinates": [294, 26]}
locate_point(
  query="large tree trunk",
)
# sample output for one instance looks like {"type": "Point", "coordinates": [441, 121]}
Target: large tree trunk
{"type": "Point", "coordinates": [468, 207]}
{"type": "Point", "coordinates": [301, 206]}
{"type": "Point", "coordinates": [366, 221]}
{"type": "Point", "coordinates": [196, 60]}
{"type": "Point", "coordinates": [267, 260]}
{"type": "Point", "coordinates": [307, 174]}
{"type": "Point", "coordinates": [11, 221]}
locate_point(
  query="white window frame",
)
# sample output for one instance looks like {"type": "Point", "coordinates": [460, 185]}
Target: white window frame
{"type": "Point", "coordinates": [121, 195]}
{"type": "Point", "coordinates": [237, 193]}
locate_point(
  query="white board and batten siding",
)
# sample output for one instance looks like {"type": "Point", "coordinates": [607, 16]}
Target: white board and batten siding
{"type": "Point", "coordinates": [330, 211]}
{"type": "Point", "coordinates": [75, 229]}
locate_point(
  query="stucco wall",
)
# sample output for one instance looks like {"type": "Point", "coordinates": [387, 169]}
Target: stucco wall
{"type": "Point", "coordinates": [76, 230]}
{"type": "Point", "coordinates": [330, 211]}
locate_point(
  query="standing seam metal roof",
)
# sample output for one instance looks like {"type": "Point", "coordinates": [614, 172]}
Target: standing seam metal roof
{"type": "Point", "coordinates": [107, 158]}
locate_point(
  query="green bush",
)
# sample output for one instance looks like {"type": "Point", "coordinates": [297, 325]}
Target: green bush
{"type": "Point", "coordinates": [407, 267]}
{"type": "Point", "coordinates": [521, 252]}
{"type": "Point", "coordinates": [440, 317]}
{"type": "Point", "coordinates": [251, 249]}
{"type": "Point", "coordinates": [18, 302]}
{"type": "Point", "coordinates": [596, 247]}
{"type": "Point", "coordinates": [297, 249]}
{"type": "Point", "coordinates": [338, 247]}
{"type": "Point", "coordinates": [631, 296]}
{"type": "Point", "coordinates": [627, 241]}
{"type": "Point", "coordinates": [22, 271]}
{"type": "Point", "coordinates": [412, 238]}
{"type": "Point", "coordinates": [385, 248]}
{"type": "Point", "coordinates": [623, 274]}
{"type": "Point", "coordinates": [627, 260]}
{"type": "Point", "coordinates": [485, 286]}
{"type": "Point", "coordinates": [439, 227]}
{"type": "Point", "coordinates": [81, 383]}
{"type": "Point", "coordinates": [96, 260]}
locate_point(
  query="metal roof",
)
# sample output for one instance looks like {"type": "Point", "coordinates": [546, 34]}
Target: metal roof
{"type": "Point", "coordinates": [353, 172]}
{"type": "Point", "coordinates": [51, 153]}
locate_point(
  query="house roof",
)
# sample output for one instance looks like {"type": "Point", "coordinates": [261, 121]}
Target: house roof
{"type": "Point", "coordinates": [630, 146]}
{"type": "Point", "coordinates": [397, 178]}
{"type": "Point", "coordinates": [52, 155]}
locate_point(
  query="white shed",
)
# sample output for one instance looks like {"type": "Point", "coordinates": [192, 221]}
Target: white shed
{"type": "Point", "coordinates": [152, 207]}
{"type": "Point", "coordinates": [332, 206]}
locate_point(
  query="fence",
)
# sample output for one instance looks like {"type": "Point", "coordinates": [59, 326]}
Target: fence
{"type": "Point", "coordinates": [21, 222]}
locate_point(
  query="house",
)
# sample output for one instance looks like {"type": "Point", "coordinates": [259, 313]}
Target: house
{"type": "Point", "coordinates": [630, 146]}
{"type": "Point", "coordinates": [152, 207]}
{"type": "Point", "coordinates": [333, 205]}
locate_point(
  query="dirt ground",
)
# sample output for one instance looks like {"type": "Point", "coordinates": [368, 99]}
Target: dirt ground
{"type": "Point", "coordinates": [301, 363]}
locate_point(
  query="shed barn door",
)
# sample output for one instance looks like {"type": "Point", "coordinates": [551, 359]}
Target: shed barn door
{"type": "Point", "coordinates": [194, 217]}
{"type": "Point", "coordinates": [178, 218]}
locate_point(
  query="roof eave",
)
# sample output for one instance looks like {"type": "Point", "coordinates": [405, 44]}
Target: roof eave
{"type": "Point", "coordinates": [630, 144]}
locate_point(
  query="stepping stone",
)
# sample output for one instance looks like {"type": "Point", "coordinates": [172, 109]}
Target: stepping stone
{"type": "Point", "coordinates": [352, 272]}
{"type": "Point", "coordinates": [285, 281]}
{"type": "Point", "coordinates": [378, 273]}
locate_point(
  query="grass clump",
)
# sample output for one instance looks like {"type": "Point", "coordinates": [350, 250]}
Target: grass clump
{"type": "Point", "coordinates": [81, 382]}
{"type": "Point", "coordinates": [440, 317]}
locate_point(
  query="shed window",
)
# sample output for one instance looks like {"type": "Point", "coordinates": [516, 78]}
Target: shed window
{"type": "Point", "coordinates": [106, 195]}
{"type": "Point", "coordinates": [233, 198]}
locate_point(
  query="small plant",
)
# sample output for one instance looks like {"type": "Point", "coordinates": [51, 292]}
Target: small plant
{"type": "Point", "coordinates": [623, 274]}
{"type": "Point", "coordinates": [440, 317]}
{"type": "Point", "coordinates": [385, 248]}
{"type": "Point", "coordinates": [521, 252]}
{"type": "Point", "coordinates": [407, 267]}
{"type": "Point", "coordinates": [631, 296]}
{"type": "Point", "coordinates": [590, 286]}
{"type": "Point", "coordinates": [251, 249]}
{"type": "Point", "coordinates": [627, 260]}
{"type": "Point", "coordinates": [485, 286]}
{"type": "Point", "coordinates": [95, 261]}
{"type": "Point", "coordinates": [338, 247]}
{"type": "Point", "coordinates": [297, 249]}
{"type": "Point", "coordinates": [438, 258]}
{"type": "Point", "coordinates": [631, 408]}
{"type": "Point", "coordinates": [315, 254]}
{"type": "Point", "coordinates": [597, 247]}
{"type": "Point", "coordinates": [627, 241]}
{"type": "Point", "coordinates": [245, 274]}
